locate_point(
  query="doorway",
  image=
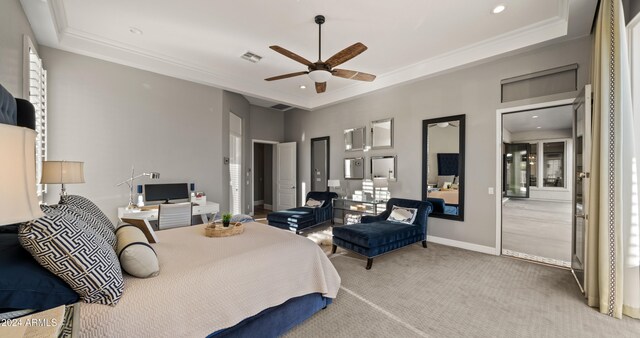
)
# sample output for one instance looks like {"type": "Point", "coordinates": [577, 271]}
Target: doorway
{"type": "Point", "coordinates": [537, 189]}
{"type": "Point", "coordinates": [235, 163]}
{"type": "Point", "coordinates": [263, 178]}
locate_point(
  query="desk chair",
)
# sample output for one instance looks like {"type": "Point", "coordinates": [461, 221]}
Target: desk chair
{"type": "Point", "coordinates": [174, 215]}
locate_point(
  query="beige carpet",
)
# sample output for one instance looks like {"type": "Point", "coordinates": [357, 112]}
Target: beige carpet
{"type": "Point", "coordinates": [448, 292]}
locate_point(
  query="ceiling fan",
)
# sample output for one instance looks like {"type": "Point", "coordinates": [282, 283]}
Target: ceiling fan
{"type": "Point", "coordinates": [320, 71]}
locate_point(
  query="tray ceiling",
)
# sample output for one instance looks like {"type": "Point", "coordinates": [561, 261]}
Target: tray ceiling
{"type": "Point", "coordinates": [202, 41]}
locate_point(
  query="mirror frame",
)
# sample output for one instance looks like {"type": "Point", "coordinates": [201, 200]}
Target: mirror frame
{"type": "Point", "coordinates": [461, 162]}
{"type": "Point", "coordinates": [395, 166]}
{"type": "Point", "coordinates": [390, 146]}
{"type": "Point", "coordinates": [327, 158]}
{"type": "Point", "coordinates": [364, 139]}
{"type": "Point", "coordinates": [344, 168]}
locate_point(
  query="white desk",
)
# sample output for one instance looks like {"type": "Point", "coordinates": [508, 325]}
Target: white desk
{"type": "Point", "coordinates": [152, 215]}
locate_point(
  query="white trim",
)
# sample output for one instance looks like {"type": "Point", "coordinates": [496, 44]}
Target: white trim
{"type": "Point", "coordinates": [462, 245]}
{"type": "Point", "coordinates": [267, 207]}
{"type": "Point", "coordinates": [260, 202]}
{"type": "Point", "coordinates": [498, 190]}
{"type": "Point", "coordinates": [253, 142]}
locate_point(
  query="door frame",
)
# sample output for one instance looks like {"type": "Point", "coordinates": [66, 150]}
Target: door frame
{"type": "Point", "coordinates": [328, 157]}
{"type": "Point", "coordinates": [273, 173]}
{"type": "Point", "coordinates": [498, 144]}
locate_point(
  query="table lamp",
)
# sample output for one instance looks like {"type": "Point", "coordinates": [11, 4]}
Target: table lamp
{"type": "Point", "coordinates": [335, 184]}
{"type": "Point", "coordinates": [62, 172]}
{"type": "Point", "coordinates": [18, 197]}
{"type": "Point", "coordinates": [378, 185]}
{"type": "Point", "coordinates": [129, 181]}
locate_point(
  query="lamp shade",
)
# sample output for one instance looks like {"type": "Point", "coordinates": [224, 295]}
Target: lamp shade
{"type": "Point", "coordinates": [62, 172]}
{"type": "Point", "coordinates": [333, 183]}
{"type": "Point", "coordinates": [18, 198]}
{"type": "Point", "coordinates": [380, 182]}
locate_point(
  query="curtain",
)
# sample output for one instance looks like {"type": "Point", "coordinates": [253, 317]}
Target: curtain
{"type": "Point", "coordinates": [613, 245]}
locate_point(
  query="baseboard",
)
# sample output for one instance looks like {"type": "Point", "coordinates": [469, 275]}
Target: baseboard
{"type": "Point", "coordinates": [462, 245]}
{"type": "Point", "coordinates": [260, 202]}
{"type": "Point", "coordinates": [267, 207]}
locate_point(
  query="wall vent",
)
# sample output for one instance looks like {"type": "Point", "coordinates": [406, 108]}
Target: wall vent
{"type": "Point", "coordinates": [249, 56]}
{"type": "Point", "coordinates": [281, 106]}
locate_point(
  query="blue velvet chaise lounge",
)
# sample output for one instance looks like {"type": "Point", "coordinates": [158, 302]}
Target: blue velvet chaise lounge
{"type": "Point", "coordinates": [376, 235]}
{"type": "Point", "coordinates": [300, 218]}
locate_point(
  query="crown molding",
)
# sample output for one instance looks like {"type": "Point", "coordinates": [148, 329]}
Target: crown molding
{"type": "Point", "coordinates": [53, 30]}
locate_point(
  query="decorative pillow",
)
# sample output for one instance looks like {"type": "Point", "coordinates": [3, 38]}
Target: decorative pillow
{"type": "Point", "coordinates": [311, 203]}
{"type": "Point", "coordinates": [93, 216]}
{"type": "Point", "coordinates": [75, 253]}
{"type": "Point", "coordinates": [76, 214]}
{"type": "Point", "coordinates": [352, 219]}
{"type": "Point", "coordinates": [136, 256]}
{"type": "Point", "coordinates": [443, 179]}
{"type": "Point", "coordinates": [403, 215]}
{"type": "Point", "coordinates": [24, 284]}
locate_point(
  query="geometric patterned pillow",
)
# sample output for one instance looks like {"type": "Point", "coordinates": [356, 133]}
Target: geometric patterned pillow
{"type": "Point", "coordinates": [92, 215]}
{"type": "Point", "coordinates": [74, 252]}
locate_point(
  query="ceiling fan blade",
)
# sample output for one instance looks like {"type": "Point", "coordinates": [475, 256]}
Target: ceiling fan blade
{"type": "Point", "coordinates": [291, 55]}
{"type": "Point", "coordinates": [353, 75]}
{"type": "Point", "coordinates": [346, 54]}
{"type": "Point", "coordinates": [321, 87]}
{"type": "Point", "coordinates": [284, 76]}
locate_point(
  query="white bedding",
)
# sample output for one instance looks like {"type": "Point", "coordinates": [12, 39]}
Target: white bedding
{"type": "Point", "coordinates": [207, 284]}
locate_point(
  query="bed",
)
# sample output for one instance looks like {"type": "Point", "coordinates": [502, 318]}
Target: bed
{"type": "Point", "coordinates": [253, 282]}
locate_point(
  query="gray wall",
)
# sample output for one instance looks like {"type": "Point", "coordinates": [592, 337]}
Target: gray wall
{"type": "Point", "coordinates": [266, 124]}
{"type": "Point", "coordinates": [474, 91]}
{"type": "Point", "coordinates": [111, 117]}
{"type": "Point", "coordinates": [13, 26]}
{"type": "Point", "coordinates": [631, 9]}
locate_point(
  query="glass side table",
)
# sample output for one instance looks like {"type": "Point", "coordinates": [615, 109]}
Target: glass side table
{"type": "Point", "coordinates": [353, 206]}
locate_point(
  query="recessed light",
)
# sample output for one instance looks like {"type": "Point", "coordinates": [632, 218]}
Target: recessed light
{"type": "Point", "coordinates": [534, 116]}
{"type": "Point", "coordinates": [303, 87]}
{"type": "Point", "coordinates": [134, 30]}
{"type": "Point", "coordinates": [538, 127]}
{"type": "Point", "coordinates": [498, 9]}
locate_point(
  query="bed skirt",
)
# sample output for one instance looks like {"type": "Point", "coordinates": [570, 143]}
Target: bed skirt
{"type": "Point", "coordinates": [277, 320]}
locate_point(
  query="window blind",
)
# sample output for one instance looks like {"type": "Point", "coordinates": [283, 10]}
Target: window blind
{"type": "Point", "coordinates": [38, 97]}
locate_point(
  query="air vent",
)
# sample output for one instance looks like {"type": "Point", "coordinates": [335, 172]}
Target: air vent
{"type": "Point", "coordinates": [249, 56]}
{"type": "Point", "coordinates": [281, 106]}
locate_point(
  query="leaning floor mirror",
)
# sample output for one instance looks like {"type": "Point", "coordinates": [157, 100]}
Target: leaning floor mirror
{"type": "Point", "coordinates": [443, 166]}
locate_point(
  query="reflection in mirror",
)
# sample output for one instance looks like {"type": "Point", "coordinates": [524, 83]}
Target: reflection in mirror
{"type": "Point", "coordinates": [383, 167]}
{"type": "Point", "coordinates": [320, 163]}
{"type": "Point", "coordinates": [354, 168]}
{"type": "Point", "coordinates": [382, 134]}
{"type": "Point", "coordinates": [443, 166]}
{"type": "Point", "coordinates": [354, 139]}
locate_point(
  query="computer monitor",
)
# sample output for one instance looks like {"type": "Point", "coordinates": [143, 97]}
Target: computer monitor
{"type": "Point", "coordinates": [166, 192]}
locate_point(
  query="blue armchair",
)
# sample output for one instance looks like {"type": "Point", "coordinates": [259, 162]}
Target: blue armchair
{"type": "Point", "coordinates": [376, 236]}
{"type": "Point", "coordinates": [298, 219]}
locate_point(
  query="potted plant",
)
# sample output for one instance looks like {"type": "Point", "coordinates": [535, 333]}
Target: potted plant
{"type": "Point", "coordinates": [226, 219]}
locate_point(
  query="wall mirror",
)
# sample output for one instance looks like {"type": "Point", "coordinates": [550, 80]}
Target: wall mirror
{"type": "Point", "coordinates": [382, 134]}
{"type": "Point", "coordinates": [320, 163]}
{"type": "Point", "coordinates": [383, 167]}
{"type": "Point", "coordinates": [355, 139]}
{"type": "Point", "coordinates": [443, 166]}
{"type": "Point", "coordinates": [354, 168]}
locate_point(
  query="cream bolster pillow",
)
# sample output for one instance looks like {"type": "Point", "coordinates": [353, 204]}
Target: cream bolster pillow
{"type": "Point", "coordinates": [136, 256]}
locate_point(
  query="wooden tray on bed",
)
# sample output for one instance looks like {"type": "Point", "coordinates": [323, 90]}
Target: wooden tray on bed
{"type": "Point", "coordinates": [217, 230]}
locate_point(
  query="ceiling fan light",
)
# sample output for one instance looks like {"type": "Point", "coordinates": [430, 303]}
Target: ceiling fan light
{"type": "Point", "coordinates": [443, 124]}
{"type": "Point", "coordinates": [320, 75]}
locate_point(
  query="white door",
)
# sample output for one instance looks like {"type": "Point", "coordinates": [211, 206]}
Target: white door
{"type": "Point", "coordinates": [582, 145]}
{"type": "Point", "coordinates": [287, 180]}
{"type": "Point", "coordinates": [235, 164]}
